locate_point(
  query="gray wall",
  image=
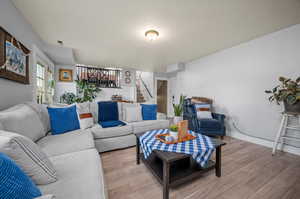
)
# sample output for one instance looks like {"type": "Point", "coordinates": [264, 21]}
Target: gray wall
{"type": "Point", "coordinates": [237, 77]}
{"type": "Point", "coordinates": [12, 21]}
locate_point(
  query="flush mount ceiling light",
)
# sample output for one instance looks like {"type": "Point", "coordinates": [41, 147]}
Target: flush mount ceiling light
{"type": "Point", "coordinates": [151, 35]}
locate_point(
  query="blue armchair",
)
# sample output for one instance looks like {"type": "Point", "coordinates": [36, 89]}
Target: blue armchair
{"type": "Point", "coordinates": [209, 127]}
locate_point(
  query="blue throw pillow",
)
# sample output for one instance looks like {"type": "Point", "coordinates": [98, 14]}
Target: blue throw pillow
{"type": "Point", "coordinates": [14, 183]}
{"type": "Point", "coordinates": [149, 111]}
{"type": "Point", "coordinates": [107, 124]}
{"type": "Point", "coordinates": [108, 111]}
{"type": "Point", "coordinates": [63, 119]}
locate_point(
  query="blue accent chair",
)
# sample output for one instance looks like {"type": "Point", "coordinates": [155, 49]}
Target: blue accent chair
{"type": "Point", "coordinates": [210, 127]}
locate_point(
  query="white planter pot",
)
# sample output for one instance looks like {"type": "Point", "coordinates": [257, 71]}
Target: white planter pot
{"type": "Point", "coordinates": [177, 119]}
{"type": "Point", "coordinates": [174, 134]}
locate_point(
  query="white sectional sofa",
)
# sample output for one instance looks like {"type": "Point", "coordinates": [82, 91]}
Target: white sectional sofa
{"type": "Point", "coordinates": [75, 155]}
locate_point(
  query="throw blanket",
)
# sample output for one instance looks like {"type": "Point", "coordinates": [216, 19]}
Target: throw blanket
{"type": "Point", "coordinates": [200, 148]}
{"type": "Point", "coordinates": [108, 124]}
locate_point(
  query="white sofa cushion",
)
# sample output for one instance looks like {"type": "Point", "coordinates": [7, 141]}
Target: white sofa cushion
{"type": "Point", "coordinates": [80, 175]}
{"type": "Point", "coordinates": [147, 125]}
{"type": "Point", "coordinates": [22, 119]}
{"type": "Point", "coordinates": [68, 142]}
{"type": "Point", "coordinates": [41, 110]}
{"type": "Point", "coordinates": [100, 133]}
{"type": "Point", "coordinates": [28, 156]}
{"type": "Point", "coordinates": [133, 114]}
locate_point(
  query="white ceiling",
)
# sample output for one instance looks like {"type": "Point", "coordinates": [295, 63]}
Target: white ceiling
{"type": "Point", "coordinates": [111, 32]}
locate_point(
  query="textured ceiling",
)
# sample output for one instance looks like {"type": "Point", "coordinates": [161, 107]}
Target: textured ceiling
{"type": "Point", "coordinates": [111, 32]}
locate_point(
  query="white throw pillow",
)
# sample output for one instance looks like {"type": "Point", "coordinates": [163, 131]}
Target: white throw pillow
{"type": "Point", "coordinates": [84, 115]}
{"type": "Point", "coordinates": [126, 105]}
{"type": "Point", "coordinates": [204, 115]}
{"type": "Point", "coordinates": [28, 156]}
{"type": "Point", "coordinates": [203, 111]}
{"type": "Point", "coordinates": [133, 114]}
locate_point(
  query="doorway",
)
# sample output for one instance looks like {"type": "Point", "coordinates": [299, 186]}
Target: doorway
{"type": "Point", "coordinates": [162, 96]}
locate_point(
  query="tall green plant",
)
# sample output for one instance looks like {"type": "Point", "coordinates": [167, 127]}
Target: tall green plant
{"type": "Point", "coordinates": [86, 91]}
{"type": "Point", "coordinates": [178, 108]}
{"type": "Point", "coordinates": [287, 91]}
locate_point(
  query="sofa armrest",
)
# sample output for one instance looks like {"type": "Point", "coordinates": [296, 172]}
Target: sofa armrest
{"type": "Point", "coordinates": [219, 117]}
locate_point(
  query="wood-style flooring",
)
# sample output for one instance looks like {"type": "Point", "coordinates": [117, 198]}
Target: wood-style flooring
{"type": "Point", "coordinates": [248, 171]}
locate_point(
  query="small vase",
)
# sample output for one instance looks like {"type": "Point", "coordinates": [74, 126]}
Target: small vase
{"type": "Point", "coordinates": [177, 119]}
{"type": "Point", "coordinates": [294, 108]}
{"type": "Point", "coordinates": [174, 134]}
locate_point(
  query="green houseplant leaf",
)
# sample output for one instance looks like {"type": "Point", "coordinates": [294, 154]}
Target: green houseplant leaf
{"type": "Point", "coordinates": [287, 91]}
{"type": "Point", "coordinates": [178, 108]}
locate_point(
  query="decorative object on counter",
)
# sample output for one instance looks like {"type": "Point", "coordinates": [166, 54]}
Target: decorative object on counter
{"type": "Point", "coordinates": [14, 58]}
{"type": "Point", "coordinates": [178, 109]}
{"type": "Point", "coordinates": [116, 98]}
{"type": "Point", "coordinates": [174, 131]}
{"type": "Point", "coordinates": [288, 92]}
{"type": "Point", "coordinates": [66, 75]}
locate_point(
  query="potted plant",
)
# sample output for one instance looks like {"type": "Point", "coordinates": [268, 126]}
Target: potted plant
{"type": "Point", "coordinates": [173, 131]}
{"type": "Point", "coordinates": [87, 92]}
{"type": "Point", "coordinates": [288, 92]}
{"type": "Point", "coordinates": [178, 109]}
{"type": "Point", "coordinates": [68, 98]}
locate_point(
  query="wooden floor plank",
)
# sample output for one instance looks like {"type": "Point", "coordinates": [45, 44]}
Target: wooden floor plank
{"type": "Point", "coordinates": [249, 171]}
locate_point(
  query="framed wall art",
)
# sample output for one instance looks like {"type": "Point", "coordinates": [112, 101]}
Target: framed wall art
{"type": "Point", "coordinates": [66, 75]}
{"type": "Point", "coordinates": [14, 58]}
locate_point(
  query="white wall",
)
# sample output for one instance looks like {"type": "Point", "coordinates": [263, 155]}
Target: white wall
{"type": "Point", "coordinates": [236, 78]}
{"type": "Point", "coordinates": [13, 22]}
{"type": "Point", "coordinates": [63, 87]}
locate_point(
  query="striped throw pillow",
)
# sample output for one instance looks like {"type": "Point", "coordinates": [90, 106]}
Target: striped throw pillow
{"type": "Point", "coordinates": [32, 160]}
{"type": "Point", "coordinates": [203, 111]}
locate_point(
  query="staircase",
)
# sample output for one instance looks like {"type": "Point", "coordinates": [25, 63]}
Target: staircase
{"type": "Point", "coordinates": [139, 95]}
{"type": "Point", "coordinates": [143, 94]}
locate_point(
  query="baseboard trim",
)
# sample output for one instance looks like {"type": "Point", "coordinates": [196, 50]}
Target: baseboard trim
{"type": "Point", "coordinates": [262, 142]}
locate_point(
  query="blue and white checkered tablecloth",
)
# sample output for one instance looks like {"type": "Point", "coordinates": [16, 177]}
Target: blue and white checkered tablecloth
{"type": "Point", "coordinates": [199, 148]}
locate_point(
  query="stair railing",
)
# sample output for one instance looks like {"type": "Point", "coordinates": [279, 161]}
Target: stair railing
{"type": "Point", "coordinates": [143, 86]}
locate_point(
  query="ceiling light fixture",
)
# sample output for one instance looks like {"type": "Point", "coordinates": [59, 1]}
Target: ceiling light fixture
{"type": "Point", "coordinates": [151, 35]}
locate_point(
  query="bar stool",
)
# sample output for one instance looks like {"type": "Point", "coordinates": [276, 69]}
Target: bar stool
{"type": "Point", "coordinates": [281, 135]}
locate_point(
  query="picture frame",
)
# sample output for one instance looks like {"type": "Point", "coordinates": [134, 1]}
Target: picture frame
{"type": "Point", "coordinates": [14, 58]}
{"type": "Point", "coordinates": [66, 75]}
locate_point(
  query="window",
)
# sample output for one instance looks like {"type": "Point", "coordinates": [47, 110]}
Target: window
{"type": "Point", "coordinates": [101, 77]}
{"type": "Point", "coordinates": [45, 84]}
{"type": "Point", "coordinates": [50, 86]}
{"type": "Point", "coordinates": [40, 81]}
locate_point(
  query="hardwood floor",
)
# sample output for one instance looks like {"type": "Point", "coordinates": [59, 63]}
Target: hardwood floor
{"type": "Point", "coordinates": [248, 171]}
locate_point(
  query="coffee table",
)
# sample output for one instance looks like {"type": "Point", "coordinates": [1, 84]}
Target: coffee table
{"type": "Point", "coordinates": [172, 169]}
